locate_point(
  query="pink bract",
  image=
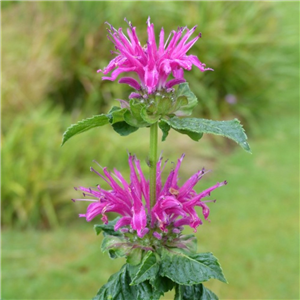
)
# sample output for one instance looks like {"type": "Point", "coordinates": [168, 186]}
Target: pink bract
{"type": "Point", "coordinates": [152, 63]}
{"type": "Point", "coordinates": [175, 205]}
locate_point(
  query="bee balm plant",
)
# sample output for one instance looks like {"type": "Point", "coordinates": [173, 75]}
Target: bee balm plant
{"type": "Point", "coordinates": [153, 213]}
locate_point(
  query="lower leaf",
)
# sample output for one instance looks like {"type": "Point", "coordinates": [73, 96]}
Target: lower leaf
{"type": "Point", "coordinates": [194, 292]}
{"type": "Point", "coordinates": [123, 129]}
{"type": "Point", "coordinates": [118, 288]}
{"type": "Point", "coordinates": [192, 269]}
{"type": "Point", "coordinates": [148, 269]}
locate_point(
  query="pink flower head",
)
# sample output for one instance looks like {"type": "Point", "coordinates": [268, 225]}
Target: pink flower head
{"type": "Point", "coordinates": [175, 205]}
{"type": "Point", "coordinates": [152, 63]}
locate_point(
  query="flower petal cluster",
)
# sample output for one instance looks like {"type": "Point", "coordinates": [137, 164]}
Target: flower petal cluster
{"type": "Point", "coordinates": [152, 63]}
{"type": "Point", "coordinates": [175, 205]}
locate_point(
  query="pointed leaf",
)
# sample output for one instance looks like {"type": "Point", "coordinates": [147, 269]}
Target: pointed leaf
{"type": "Point", "coordinates": [230, 129]}
{"type": "Point", "coordinates": [148, 269]}
{"type": "Point", "coordinates": [189, 270]}
{"type": "Point", "coordinates": [84, 125]}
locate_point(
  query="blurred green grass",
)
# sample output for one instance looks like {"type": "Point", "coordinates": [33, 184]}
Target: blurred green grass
{"type": "Point", "coordinates": [50, 54]}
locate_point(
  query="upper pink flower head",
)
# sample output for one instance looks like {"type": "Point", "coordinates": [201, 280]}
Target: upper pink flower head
{"type": "Point", "coordinates": [152, 63]}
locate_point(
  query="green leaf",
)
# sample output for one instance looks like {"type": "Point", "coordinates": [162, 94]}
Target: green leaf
{"type": "Point", "coordinates": [148, 269]}
{"type": "Point", "coordinates": [115, 246]}
{"type": "Point", "coordinates": [150, 119]}
{"type": "Point", "coordinates": [194, 292]}
{"type": "Point", "coordinates": [116, 119]}
{"type": "Point", "coordinates": [195, 136]}
{"type": "Point", "coordinates": [84, 125]}
{"type": "Point", "coordinates": [189, 270]}
{"type": "Point", "coordinates": [116, 114]}
{"type": "Point", "coordinates": [117, 287]}
{"type": "Point", "coordinates": [230, 129]}
{"type": "Point", "coordinates": [161, 285]}
{"type": "Point", "coordinates": [124, 129]}
{"type": "Point", "coordinates": [135, 256]}
{"type": "Point", "coordinates": [108, 229]}
{"type": "Point", "coordinates": [165, 128]}
{"type": "Point", "coordinates": [133, 117]}
{"type": "Point", "coordinates": [145, 292]}
{"type": "Point", "coordinates": [181, 101]}
{"type": "Point", "coordinates": [183, 90]}
{"type": "Point", "coordinates": [164, 105]}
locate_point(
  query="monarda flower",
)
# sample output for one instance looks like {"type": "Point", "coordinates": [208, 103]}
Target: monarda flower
{"type": "Point", "coordinates": [175, 204]}
{"type": "Point", "coordinates": [152, 63]}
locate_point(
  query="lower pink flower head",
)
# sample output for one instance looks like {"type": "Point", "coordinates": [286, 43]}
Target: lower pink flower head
{"type": "Point", "coordinates": [175, 205]}
{"type": "Point", "coordinates": [153, 63]}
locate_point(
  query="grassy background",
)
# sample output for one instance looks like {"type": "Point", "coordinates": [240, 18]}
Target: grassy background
{"type": "Point", "coordinates": [50, 54]}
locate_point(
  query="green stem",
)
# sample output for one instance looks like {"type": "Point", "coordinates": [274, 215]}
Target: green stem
{"type": "Point", "coordinates": [152, 162]}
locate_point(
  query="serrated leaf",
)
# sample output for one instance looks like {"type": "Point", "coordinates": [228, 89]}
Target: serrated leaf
{"type": "Point", "coordinates": [148, 269]}
{"type": "Point", "coordinates": [184, 90]}
{"type": "Point", "coordinates": [230, 129]}
{"type": "Point", "coordinates": [124, 129]}
{"type": "Point", "coordinates": [85, 125]}
{"type": "Point", "coordinates": [194, 269]}
{"type": "Point", "coordinates": [107, 229]}
{"type": "Point", "coordinates": [194, 292]}
{"type": "Point", "coordinates": [165, 128]}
